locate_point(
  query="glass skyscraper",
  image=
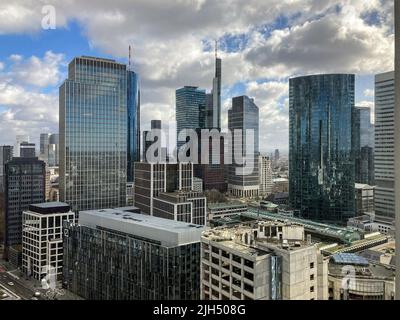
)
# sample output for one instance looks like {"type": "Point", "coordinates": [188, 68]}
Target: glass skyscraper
{"type": "Point", "coordinates": [93, 134]}
{"type": "Point", "coordinates": [133, 122]}
{"type": "Point", "coordinates": [244, 116]}
{"type": "Point", "coordinates": [321, 165]}
{"type": "Point", "coordinates": [190, 110]}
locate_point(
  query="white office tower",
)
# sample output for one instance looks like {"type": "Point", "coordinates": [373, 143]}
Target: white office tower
{"type": "Point", "coordinates": [384, 144]}
{"type": "Point", "coordinates": [265, 169]}
{"type": "Point", "coordinates": [42, 232]}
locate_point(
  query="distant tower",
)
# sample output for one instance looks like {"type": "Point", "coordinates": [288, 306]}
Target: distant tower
{"type": "Point", "coordinates": [133, 102]}
{"type": "Point", "coordinates": [216, 91]}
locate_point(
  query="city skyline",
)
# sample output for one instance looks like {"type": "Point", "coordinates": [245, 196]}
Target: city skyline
{"type": "Point", "coordinates": [200, 149]}
{"type": "Point", "coordinates": [28, 97]}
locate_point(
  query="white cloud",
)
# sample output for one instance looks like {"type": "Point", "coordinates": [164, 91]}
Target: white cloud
{"type": "Point", "coordinates": [38, 72]}
{"type": "Point", "coordinates": [1, 66]}
{"type": "Point", "coordinates": [167, 39]}
{"type": "Point", "coordinates": [369, 93]}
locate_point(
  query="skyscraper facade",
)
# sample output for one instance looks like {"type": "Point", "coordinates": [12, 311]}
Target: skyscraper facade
{"type": "Point", "coordinates": [49, 148]}
{"type": "Point", "coordinates": [133, 102]}
{"type": "Point", "coordinates": [119, 255]}
{"type": "Point", "coordinates": [321, 165]}
{"type": "Point", "coordinates": [24, 185]}
{"type": "Point", "coordinates": [6, 154]}
{"type": "Point", "coordinates": [265, 171]}
{"type": "Point", "coordinates": [151, 179]}
{"type": "Point", "coordinates": [244, 116]}
{"type": "Point", "coordinates": [213, 113]}
{"type": "Point", "coordinates": [190, 110]}
{"type": "Point", "coordinates": [27, 150]}
{"type": "Point", "coordinates": [19, 140]}
{"type": "Point", "coordinates": [384, 144]}
{"type": "Point", "coordinates": [93, 134]}
{"type": "Point", "coordinates": [363, 136]}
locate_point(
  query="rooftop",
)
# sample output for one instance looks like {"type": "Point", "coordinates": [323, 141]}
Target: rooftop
{"type": "Point", "coordinates": [50, 207]}
{"type": "Point", "coordinates": [225, 205]}
{"type": "Point", "coordinates": [168, 232]}
{"type": "Point", "coordinates": [345, 234]}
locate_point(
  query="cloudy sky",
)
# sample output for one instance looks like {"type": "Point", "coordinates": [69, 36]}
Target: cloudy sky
{"type": "Point", "coordinates": [262, 43]}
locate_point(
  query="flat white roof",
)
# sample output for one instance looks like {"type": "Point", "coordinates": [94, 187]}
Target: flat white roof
{"type": "Point", "coordinates": [169, 232]}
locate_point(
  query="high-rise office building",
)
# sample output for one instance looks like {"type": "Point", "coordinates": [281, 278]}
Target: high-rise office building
{"type": "Point", "coordinates": [119, 255]}
{"type": "Point", "coordinates": [265, 172]}
{"type": "Point", "coordinates": [42, 231]}
{"type": "Point", "coordinates": [133, 102]}
{"type": "Point", "coordinates": [363, 136]}
{"type": "Point", "coordinates": [155, 125]}
{"type": "Point", "coordinates": [213, 99]}
{"type": "Point", "coordinates": [321, 165]}
{"type": "Point", "coordinates": [19, 140]}
{"type": "Point", "coordinates": [49, 149]}
{"type": "Point", "coordinates": [397, 139]}
{"type": "Point", "coordinates": [366, 127]}
{"type": "Point", "coordinates": [94, 134]}
{"type": "Point", "coordinates": [243, 180]}
{"type": "Point", "coordinates": [367, 173]}
{"type": "Point", "coordinates": [151, 179]}
{"type": "Point", "coordinates": [277, 155]}
{"type": "Point", "coordinates": [190, 110]}
{"type": "Point", "coordinates": [384, 144]}
{"type": "Point", "coordinates": [24, 185]}
{"type": "Point", "coordinates": [27, 150]}
{"type": "Point", "coordinates": [6, 154]}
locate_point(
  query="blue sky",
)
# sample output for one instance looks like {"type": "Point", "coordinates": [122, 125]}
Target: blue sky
{"type": "Point", "coordinates": [262, 43]}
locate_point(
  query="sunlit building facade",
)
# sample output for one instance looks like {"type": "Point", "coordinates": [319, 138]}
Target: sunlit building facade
{"type": "Point", "coordinates": [93, 134]}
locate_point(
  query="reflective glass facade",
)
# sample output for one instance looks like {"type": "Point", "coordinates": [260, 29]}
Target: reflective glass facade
{"type": "Point", "coordinates": [102, 264]}
{"type": "Point", "coordinates": [93, 134]}
{"type": "Point", "coordinates": [321, 165]}
{"type": "Point", "coordinates": [244, 116]}
{"type": "Point", "coordinates": [24, 185]}
{"type": "Point", "coordinates": [133, 122]}
{"type": "Point", "coordinates": [190, 109]}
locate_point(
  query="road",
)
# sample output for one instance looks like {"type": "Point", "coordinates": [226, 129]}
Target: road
{"type": "Point", "coordinates": [18, 289]}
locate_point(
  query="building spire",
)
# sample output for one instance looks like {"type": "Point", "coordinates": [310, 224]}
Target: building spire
{"type": "Point", "coordinates": [216, 49]}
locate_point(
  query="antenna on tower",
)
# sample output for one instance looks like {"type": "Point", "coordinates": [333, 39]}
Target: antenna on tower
{"type": "Point", "coordinates": [216, 49]}
{"type": "Point", "coordinates": [130, 50]}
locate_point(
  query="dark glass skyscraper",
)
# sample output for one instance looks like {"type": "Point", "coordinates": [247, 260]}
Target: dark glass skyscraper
{"type": "Point", "coordinates": [244, 116]}
{"type": "Point", "coordinates": [93, 134]}
{"type": "Point", "coordinates": [321, 165]}
{"type": "Point", "coordinates": [190, 110]}
{"type": "Point", "coordinates": [24, 185]}
{"type": "Point", "coordinates": [133, 122]}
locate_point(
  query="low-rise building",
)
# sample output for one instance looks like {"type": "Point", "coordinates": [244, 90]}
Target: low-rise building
{"type": "Point", "coordinates": [115, 254]}
{"type": "Point", "coordinates": [370, 222]}
{"type": "Point", "coordinates": [42, 238]}
{"type": "Point", "coordinates": [225, 209]}
{"type": "Point", "coordinates": [262, 261]}
{"type": "Point", "coordinates": [352, 277]}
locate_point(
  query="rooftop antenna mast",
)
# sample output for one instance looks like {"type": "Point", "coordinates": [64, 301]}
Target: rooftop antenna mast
{"type": "Point", "coordinates": [130, 51]}
{"type": "Point", "coordinates": [216, 49]}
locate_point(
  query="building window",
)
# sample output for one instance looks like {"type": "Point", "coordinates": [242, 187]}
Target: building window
{"type": "Point", "coordinates": [312, 265]}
